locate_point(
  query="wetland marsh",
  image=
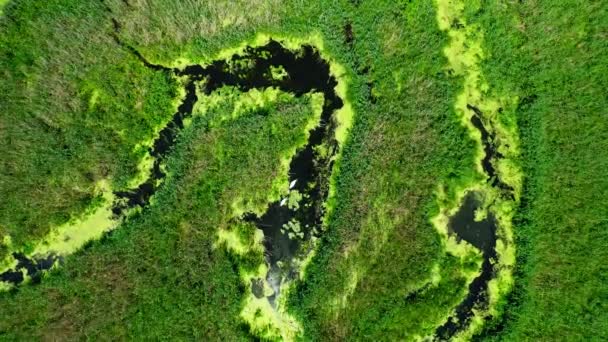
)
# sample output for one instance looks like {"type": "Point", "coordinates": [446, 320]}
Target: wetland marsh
{"type": "Point", "coordinates": [303, 170]}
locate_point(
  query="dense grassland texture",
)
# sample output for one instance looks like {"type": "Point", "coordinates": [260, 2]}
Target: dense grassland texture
{"type": "Point", "coordinates": [554, 59]}
{"type": "Point", "coordinates": [303, 170]}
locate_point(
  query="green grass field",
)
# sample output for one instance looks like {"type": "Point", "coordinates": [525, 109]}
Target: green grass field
{"type": "Point", "coordinates": [433, 102]}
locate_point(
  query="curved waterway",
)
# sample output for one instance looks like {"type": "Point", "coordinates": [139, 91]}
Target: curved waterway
{"type": "Point", "coordinates": [305, 71]}
{"type": "Point", "coordinates": [481, 234]}
{"type": "Point", "coordinates": [481, 111]}
{"type": "Point", "coordinates": [288, 224]}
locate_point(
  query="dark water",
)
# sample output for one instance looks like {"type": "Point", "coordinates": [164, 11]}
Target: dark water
{"type": "Point", "coordinates": [482, 235]}
{"type": "Point", "coordinates": [491, 154]}
{"type": "Point", "coordinates": [32, 267]}
{"type": "Point", "coordinates": [479, 234]}
{"type": "Point", "coordinates": [306, 72]}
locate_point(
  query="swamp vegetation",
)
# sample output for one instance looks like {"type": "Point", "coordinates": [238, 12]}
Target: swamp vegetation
{"type": "Point", "coordinates": [303, 170]}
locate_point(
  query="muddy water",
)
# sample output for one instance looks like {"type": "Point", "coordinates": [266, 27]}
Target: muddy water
{"type": "Point", "coordinates": [306, 72]}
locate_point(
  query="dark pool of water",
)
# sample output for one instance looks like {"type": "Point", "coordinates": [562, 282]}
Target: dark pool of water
{"type": "Point", "coordinates": [32, 267]}
{"type": "Point", "coordinates": [482, 235]}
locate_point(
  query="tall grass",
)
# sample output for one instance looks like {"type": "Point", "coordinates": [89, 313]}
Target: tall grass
{"type": "Point", "coordinates": [75, 108]}
{"type": "Point", "coordinates": [554, 60]}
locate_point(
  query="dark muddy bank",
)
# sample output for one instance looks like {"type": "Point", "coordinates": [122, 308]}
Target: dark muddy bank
{"type": "Point", "coordinates": [306, 72]}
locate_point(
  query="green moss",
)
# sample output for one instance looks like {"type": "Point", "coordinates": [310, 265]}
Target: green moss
{"type": "Point", "coordinates": [68, 238]}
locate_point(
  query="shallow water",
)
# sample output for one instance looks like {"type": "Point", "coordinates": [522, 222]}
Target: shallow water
{"type": "Point", "coordinates": [482, 235]}
{"type": "Point", "coordinates": [491, 154]}
{"type": "Point", "coordinates": [306, 72]}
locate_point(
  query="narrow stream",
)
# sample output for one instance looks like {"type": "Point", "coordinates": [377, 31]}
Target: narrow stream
{"type": "Point", "coordinates": [306, 72]}
{"type": "Point", "coordinates": [480, 234]}
{"type": "Point", "coordinates": [287, 226]}
{"type": "Point", "coordinates": [490, 152]}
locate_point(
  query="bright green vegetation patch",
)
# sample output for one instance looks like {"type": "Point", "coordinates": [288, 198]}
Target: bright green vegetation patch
{"type": "Point", "coordinates": [77, 109]}
{"type": "Point", "coordinates": [2, 4]}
